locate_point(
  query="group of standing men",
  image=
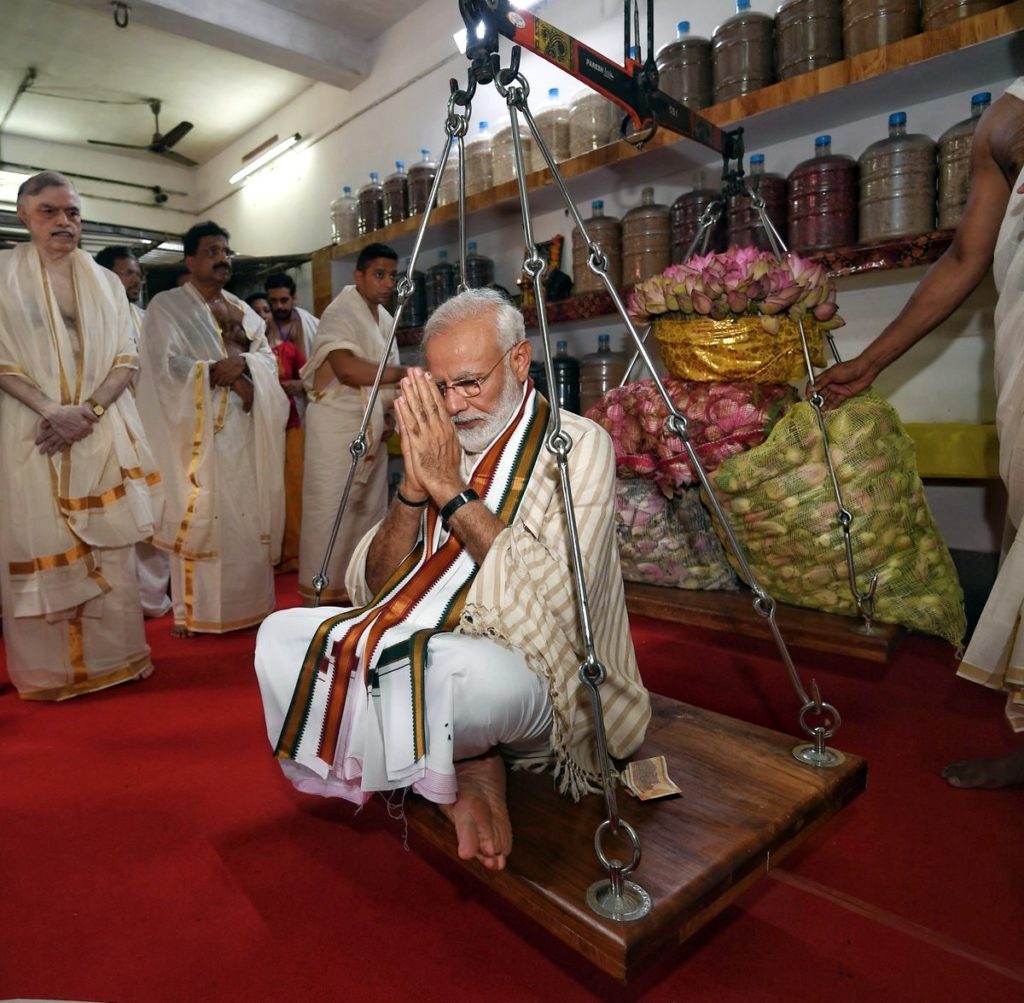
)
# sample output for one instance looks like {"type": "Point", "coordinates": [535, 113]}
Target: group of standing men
{"type": "Point", "coordinates": [148, 445]}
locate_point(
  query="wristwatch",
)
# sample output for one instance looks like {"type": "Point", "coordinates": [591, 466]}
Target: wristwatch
{"type": "Point", "coordinates": [97, 408]}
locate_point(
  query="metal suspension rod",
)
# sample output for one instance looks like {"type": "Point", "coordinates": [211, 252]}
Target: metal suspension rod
{"type": "Point", "coordinates": [763, 603]}
{"type": "Point", "coordinates": [865, 600]}
{"type": "Point", "coordinates": [614, 898]}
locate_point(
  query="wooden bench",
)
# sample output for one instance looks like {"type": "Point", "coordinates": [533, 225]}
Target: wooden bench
{"type": "Point", "coordinates": [746, 804]}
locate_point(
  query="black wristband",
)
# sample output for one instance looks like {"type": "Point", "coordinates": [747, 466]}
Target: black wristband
{"type": "Point", "coordinates": [462, 498]}
{"type": "Point", "coordinates": [411, 504]}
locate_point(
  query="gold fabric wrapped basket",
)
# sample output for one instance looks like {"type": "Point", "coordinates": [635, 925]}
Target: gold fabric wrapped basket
{"type": "Point", "coordinates": [735, 349]}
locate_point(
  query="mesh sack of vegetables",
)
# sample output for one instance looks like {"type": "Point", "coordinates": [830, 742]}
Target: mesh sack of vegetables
{"type": "Point", "coordinates": [780, 503]}
{"type": "Point", "coordinates": [668, 541]}
{"type": "Point", "coordinates": [724, 419]}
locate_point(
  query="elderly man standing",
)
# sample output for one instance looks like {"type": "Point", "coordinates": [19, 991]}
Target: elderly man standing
{"type": "Point", "coordinates": [80, 489]}
{"type": "Point", "coordinates": [218, 415]}
{"type": "Point", "coordinates": [463, 647]}
{"type": "Point", "coordinates": [350, 341]}
{"type": "Point", "coordinates": [152, 566]}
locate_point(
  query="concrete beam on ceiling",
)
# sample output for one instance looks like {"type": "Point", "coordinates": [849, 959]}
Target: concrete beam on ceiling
{"type": "Point", "coordinates": [263, 32]}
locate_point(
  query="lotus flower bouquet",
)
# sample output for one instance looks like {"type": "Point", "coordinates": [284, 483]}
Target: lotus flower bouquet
{"type": "Point", "coordinates": [733, 317]}
{"type": "Point", "coordinates": [743, 281]}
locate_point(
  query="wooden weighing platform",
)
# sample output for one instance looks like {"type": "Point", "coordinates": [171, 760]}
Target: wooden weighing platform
{"type": "Point", "coordinates": [746, 803]}
{"type": "Point", "coordinates": [734, 613]}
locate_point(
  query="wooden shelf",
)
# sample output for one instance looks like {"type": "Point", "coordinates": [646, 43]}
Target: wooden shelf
{"type": "Point", "coordinates": [964, 55]}
{"type": "Point", "coordinates": [843, 261]}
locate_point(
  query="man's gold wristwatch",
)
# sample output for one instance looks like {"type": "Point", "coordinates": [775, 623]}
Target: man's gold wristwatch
{"type": "Point", "coordinates": [97, 408]}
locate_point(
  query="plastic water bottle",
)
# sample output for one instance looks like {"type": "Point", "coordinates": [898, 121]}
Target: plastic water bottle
{"type": "Point", "coordinates": [743, 53]}
{"type": "Point", "coordinates": [600, 371]}
{"type": "Point", "coordinates": [479, 164]}
{"type": "Point", "coordinates": [567, 378]}
{"type": "Point", "coordinates": [442, 282]}
{"type": "Point", "coordinates": [745, 226]}
{"type": "Point", "coordinates": [396, 195]}
{"type": "Point", "coordinates": [553, 122]}
{"type": "Point", "coordinates": [684, 68]}
{"type": "Point", "coordinates": [603, 230]}
{"type": "Point", "coordinates": [808, 35]}
{"type": "Point", "coordinates": [955, 163]}
{"type": "Point", "coordinates": [646, 239]}
{"type": "Point", "coordinates": [479, 268]}
{"type": "Point", "coordinates": [415, 312]}
{"type": "Point", "coordinates": [344, 217]}
{"type": "Point", "coordinates": [371, 205]}
{"type": "Point", "coordinates": [421, 180]}
{"type": "Point", "coordinates": [897, 184]}
{"type": "Point", "coordinates": [823, 200]}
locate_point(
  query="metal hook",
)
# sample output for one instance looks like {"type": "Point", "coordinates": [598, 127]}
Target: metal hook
{"type": "Point", "coordinates": [121, 12]}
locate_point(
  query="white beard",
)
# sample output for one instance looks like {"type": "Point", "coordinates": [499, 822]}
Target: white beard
{"type": "Point", "coordinates": [478, 438]}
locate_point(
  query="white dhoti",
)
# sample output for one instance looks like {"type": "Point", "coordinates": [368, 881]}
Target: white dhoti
{"type": "Point", "coordinates": [153, 570]}
{"type": "Point", "coordinates": [223, 467]}
{"type": "Point", "coordinates": [995, 656]}
{"type": "Point", "coordinates": [65, 656]}
{"type": "Point", "coordinates": [69, 522]}
{"type": "Point", "coordinates": [479, 696]}
{"type": "Point", "coordinates": [334, 414]}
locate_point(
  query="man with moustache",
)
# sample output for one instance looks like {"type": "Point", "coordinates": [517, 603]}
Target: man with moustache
{"type": "Point", "coordinates": [122, 262]}
{"type": "Point", "coordinates": [218, 414]}
{"type": "Point", "coordinates": [349, 343]}
{"type": "Point", "coordinates": [464, 643]}
{"type": "Point", "coordinates": [80, 488]}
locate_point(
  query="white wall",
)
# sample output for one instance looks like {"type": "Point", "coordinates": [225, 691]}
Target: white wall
{"type": "Point", "coordinates": [110, 202]}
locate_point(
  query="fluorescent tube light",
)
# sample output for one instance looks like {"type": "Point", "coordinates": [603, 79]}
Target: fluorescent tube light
{"type": "Point", "coordinates": [264, 158]}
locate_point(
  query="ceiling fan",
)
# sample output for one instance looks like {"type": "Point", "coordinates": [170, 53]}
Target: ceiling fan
{"type": "Point", "coordinates": [161, 144]}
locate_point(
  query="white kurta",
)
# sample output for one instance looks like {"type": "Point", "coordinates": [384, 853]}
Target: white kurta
{"type": "Point", "coordinates": [309, 325]}
{"type": "Point", "coordinates": [224, 469]}
{"type": "Point", "coordinates": [333, 416]}
{"type": "Point", "coordinates": [522, 597]}
{"type": "Point", "coordinates": [995, 656]}
{"type": "Point", "coordinates": [68, 523]}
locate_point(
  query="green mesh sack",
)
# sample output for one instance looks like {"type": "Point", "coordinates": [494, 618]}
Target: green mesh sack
{"type": "Point", "coordinates": [668, 541]}
{"type": "Point", "coordinates": [779, 500]}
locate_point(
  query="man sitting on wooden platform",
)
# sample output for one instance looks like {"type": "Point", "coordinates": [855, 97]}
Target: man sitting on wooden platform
{"type": "Point", "coordinates": [464, 646]}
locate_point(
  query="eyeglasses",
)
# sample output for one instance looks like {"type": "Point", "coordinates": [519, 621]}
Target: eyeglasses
{"type": "Point", "coordinates": [471, 388]}
{"type": "Point", "coordinates": [215, 252]}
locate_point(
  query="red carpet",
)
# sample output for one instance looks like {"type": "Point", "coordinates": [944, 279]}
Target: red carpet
{"type": "Point", "coordinates": [152, 852]}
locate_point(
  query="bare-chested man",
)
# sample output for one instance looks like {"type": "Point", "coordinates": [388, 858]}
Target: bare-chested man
{"type": "Point", "coordinates": [218, 412]}
{"type": "Point", "coordinates": [464, 645]}
{"type": "Point", "coordinates": [80, 489]}
{"type": "Point", "coordinates": [991, 233]}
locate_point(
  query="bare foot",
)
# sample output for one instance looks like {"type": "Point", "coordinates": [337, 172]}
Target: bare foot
{"type": "Point", "coordinates": [181, 631]}
{"type": "Point", "coordinates": [1003, 771]}
{"type": "Point", "coordinates": [480, 814]}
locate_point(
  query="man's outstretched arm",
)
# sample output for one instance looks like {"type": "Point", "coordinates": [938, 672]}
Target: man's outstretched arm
{"type": "Point", "coordinates": [951, 279]}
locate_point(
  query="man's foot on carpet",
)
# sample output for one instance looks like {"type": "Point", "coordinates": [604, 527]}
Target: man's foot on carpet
{"type": "Point", "coordinates": [991, 774]}
{"type": "Point", "coordinates": [480, 813]}
{"type": "Point", "coordinates": [179, 630]}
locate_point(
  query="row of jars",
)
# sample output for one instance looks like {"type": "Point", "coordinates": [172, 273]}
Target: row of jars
{"type": "Point", "coordinates": [751, 50]}
{"type": "Point", "coordinates": [440, 282]}
{"type": "Point", "coordinates": [588, 122]}
{"type": "Point", "coordinates": [826, 202]}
